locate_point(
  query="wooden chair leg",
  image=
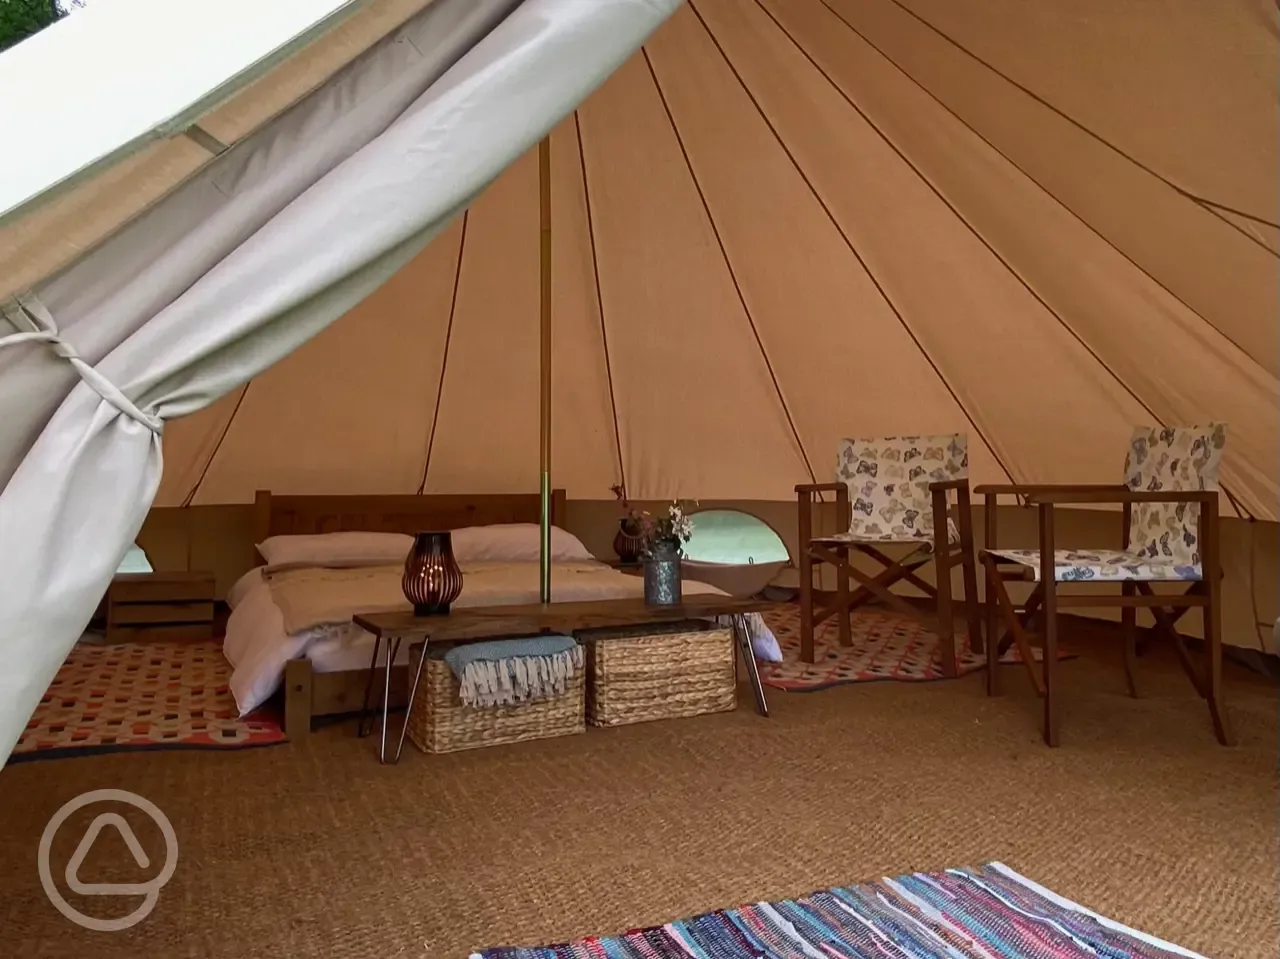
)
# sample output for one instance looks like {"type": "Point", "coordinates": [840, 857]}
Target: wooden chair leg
{"type": "Point", "coordinates": [1027, 616]}
{"type": "Point", "coordinates": [1052, 692]}
{"type": "Point", "coordinates": [946, 621]}
{"type": "Point", "coordinates": [993, 624]}
{"type": "Point", "coordinates": [990, 569]}
{"type": "Point", "coordinates": [1213, 668]}
{"type": "Point", "coordinates": [1049, 606]}
{"type": "Point", "coordinates": [1018, 635]}
{"type": "Point", "coordinates": [1168, 626]}
{"type": "Point", "coordinates": [843, 630]}
{"type": "Point", "coordinates": [973, 613]}
{"type": "Point", "coordinates": [1129, 631]}
{"type": "Point", "coordinates": [806, 605]}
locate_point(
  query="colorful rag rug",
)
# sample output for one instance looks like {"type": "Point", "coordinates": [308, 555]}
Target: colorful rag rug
{"type": "Point", "coordinates": [129, 696]}
{"type": "Point", "coordinates": [987, 913]}
{"type": "Point", "coordinates": [886, 645]}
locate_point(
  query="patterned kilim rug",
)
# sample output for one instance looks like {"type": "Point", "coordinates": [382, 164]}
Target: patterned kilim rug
{"type": "Point", "coordinates": [130, 696]}
{"type": "Point", "coordinates": [987, 913]}
{"type": "Point", "coordinates": [886, 645]}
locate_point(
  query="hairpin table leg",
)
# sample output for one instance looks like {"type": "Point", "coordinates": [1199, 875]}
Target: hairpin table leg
{"type": "Point", "coordinates": [393, 650]}
{"type": "Point", "coordinates": [364, 728]}
{"type": "Point", "coordinates": [742, 633]}
{"type": "Point", "coordinates": [413, 692]}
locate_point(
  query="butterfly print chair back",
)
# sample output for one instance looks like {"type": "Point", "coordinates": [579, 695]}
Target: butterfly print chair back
{"type": "Point", "coordinates": [1169, 504]}
{"type": "Point", "coordinates": [893, 492]}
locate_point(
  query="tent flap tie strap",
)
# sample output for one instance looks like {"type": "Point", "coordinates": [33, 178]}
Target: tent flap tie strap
{"type": "Point", "coordinates": [36, 324]}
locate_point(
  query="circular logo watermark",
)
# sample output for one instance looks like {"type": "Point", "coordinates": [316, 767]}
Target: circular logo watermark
{"type": "Point", "coordinates": [149, 890]}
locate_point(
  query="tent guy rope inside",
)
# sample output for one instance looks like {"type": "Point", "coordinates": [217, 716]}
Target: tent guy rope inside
{"type": "Point", "coordinates": [36, 325]}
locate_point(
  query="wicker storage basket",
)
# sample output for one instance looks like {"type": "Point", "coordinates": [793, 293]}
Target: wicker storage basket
{"type": "Point", "coordinates": [440, 723]}
{"type": "Point", "coordinates": [659, 672]}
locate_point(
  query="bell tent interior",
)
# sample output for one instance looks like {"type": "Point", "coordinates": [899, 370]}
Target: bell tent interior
{"type": "Point", "coordinates": [781, 224]}
{"type": "Point", "coordinates": [312, 268]}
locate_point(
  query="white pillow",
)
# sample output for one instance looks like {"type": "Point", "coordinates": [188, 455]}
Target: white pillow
{"type": "Point", "coordinates": [516, 543]}
{"type": "Point", "coordinates": [317, 549]}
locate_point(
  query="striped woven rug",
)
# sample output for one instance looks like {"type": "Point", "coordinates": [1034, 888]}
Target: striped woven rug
{"type": "Point", "coordinates": [987, 913]}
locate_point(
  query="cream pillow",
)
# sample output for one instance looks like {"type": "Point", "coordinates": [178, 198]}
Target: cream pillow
{"type": "Point", "coordinates": [500, 543]}
{"type": "Point", "coordinates": [516, 543]}
{"type": "Point", "coordinates": [350, 547]}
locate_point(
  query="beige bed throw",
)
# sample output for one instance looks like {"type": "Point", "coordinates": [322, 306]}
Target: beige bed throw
{"type": "Point", "coordinates": [313, 596]}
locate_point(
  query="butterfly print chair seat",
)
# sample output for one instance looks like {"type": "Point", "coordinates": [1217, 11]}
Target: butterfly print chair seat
{"type": "Point", "coordinates": [893, 491]}
{"type": "Point", "coordinates": [1169, 504]}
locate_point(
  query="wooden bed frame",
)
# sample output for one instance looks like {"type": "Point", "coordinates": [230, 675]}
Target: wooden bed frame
{"type": "Point", "coordinates": [308, 693]}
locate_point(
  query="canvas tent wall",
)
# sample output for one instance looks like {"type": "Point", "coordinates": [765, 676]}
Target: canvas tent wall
{"type": "Point", "coordinates": [790, 221]}
{"type": "Point", "coordinates": [782, 222]}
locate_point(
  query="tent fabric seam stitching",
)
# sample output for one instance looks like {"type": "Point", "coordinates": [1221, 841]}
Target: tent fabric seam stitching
{"type": "Point", "coordinates": [444, 358]}
{"type": "Point", "coordinates": [724, 254]}
{"type": "Point", "coordinates": [1049, 193]}
{"type": "Point", "coordinates": [1027, 285]}
{"type": "Point", "coordinates": [852, 248]}
{"type": "Point", "coordinates": [595, 270]}
{"type": "Point", "coordinates": [1207, 204]}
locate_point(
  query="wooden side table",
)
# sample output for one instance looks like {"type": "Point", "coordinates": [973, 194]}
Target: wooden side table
{"type": "Point", "coordinates": [160, 607]}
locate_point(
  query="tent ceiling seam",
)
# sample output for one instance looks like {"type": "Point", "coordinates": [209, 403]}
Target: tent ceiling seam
{"type": "Point", "coordinates": [977, 234]}
{"type": "Point", "coordinates": [1187, 194]}
{"type": "Point", "coordinates": [852, 248]}
{"type": "Point", "coordinates": [724, 253]}
{"type": "Point", "coordinates": [1215, 205]}
{"type": "Point", "coordinates": [929, 93]}
{"type": "Point", "coordinates": [191, 495]}
{"type": "Point", "coordinates": [595, 272]}
{"type": "Point", "coordinates": [1217, 210]}
{"type": "Point", "coordinates": [444, 358]}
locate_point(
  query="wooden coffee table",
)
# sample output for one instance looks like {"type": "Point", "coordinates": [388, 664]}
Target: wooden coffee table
{"type": "Point", "coordinates": [479, 623]}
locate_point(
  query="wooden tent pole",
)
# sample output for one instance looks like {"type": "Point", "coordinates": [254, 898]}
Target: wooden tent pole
{"type": "Point", "coordinates": [544, 385]}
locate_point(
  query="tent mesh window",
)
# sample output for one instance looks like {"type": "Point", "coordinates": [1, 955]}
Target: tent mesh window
{"type": "Point", "coordinates": [731, 536]}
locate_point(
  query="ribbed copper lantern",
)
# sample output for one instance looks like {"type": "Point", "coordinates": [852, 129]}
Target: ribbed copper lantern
{"type": "Point", "coordinates": [628, 544]}
{"type": "Point", "coordinates": [432, 578]}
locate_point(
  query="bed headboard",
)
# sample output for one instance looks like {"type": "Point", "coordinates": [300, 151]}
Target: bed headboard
{"type": "Point", "coordinates": [283, 515]}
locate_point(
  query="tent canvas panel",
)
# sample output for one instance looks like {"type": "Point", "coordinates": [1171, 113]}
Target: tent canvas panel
{"type": "Point", "coordinates": [1215, 62]}
{"type": "Point", "coordinates": [723, 235]}
{"type": "Point", "coordinates": [1208, 258]}
{"type": "Point", "coordinates": [1131, 326]}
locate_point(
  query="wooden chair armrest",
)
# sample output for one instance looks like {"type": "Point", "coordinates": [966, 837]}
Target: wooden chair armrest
{"type": "Point", "coordinates": [805, 506]}
{"type": "Point", "coordinates": [819, 487]}
{"type": "Point", "coordinates": [1025, 492]}
{"type": "Point", "coordinates": [1119, 495]}
{"type": "Point", "coordinates": [1027, 489]}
